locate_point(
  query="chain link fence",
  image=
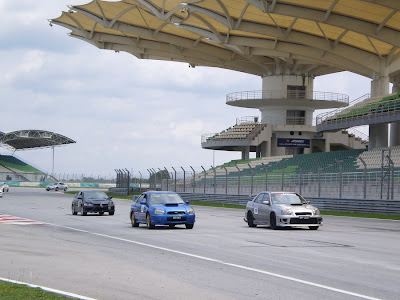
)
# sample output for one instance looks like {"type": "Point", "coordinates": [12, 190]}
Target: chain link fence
{"type": "Point", "coordinates": [365, 184]}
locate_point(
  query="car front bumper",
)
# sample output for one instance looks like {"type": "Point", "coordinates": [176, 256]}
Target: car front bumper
{"type": "Point", "coordinates": [172, 219]}
{"type": "Point", "coordinates": [99, 208]}
{"type": "Point", "coordinates": [299, 221]}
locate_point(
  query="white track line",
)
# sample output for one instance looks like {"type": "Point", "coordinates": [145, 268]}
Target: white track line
{"type": "Point", "coordinates": [326, 287]}
{"type": "Point", "coordinates": [225, 263]}
{"type": "Point", "coordinates": [47, 289]}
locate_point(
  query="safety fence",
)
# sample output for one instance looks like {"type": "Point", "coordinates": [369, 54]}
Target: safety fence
{"type": "Point", "coordinates": [328, 204]}
{"type": "Point", "coordinates": [377, 184]}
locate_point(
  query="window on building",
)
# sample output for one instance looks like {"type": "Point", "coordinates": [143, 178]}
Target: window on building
{"type": "Point", "coordinates": [296, 91]}
{"type": "Point", "coordinates": [295, 117]}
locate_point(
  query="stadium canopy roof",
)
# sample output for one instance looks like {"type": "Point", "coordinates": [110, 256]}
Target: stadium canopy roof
{"type": "Point", "coordinates": [29, 139]}
{"type": "Point", "coordinates": [261, 37]}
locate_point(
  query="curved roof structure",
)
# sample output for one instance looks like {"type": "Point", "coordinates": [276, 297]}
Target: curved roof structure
{"type": "Point", "coordinates": [29, 139]}
{"type": "Point", "coordinates": [261, 37]}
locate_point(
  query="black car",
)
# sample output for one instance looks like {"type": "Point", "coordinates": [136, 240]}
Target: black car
{"type": "Point", "coordinates": [92, 202]}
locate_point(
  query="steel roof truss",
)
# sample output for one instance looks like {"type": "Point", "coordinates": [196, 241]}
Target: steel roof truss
{"type": "Point", "coordinates": [226, 21]}
{"type": "Point", "coordinates": [329, 11]}
{"type": "Point", "coordinates": [388, 17]}
{"type": "Point", "coordinates": [372, 44]}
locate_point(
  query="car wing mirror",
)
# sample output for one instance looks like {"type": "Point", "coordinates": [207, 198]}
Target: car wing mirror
{"type": "Point", "coordinates": [266, 202]}
{"type": "Point", "coordinates": [143, 202]}
{"type": "Point", "coordinates": [110, 197]}
{"type": "Point", "coordinates": [79, 197]}
{"type": "Point", "coordinates": [187, 202]}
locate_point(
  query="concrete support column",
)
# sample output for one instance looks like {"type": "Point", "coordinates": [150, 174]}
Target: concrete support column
{"type": "Point", "coordinates": [394, 134]}
{"type": "Point", "coordinates": [395, 126]}
{"type": "Point", "coordinates": [378, 133]}
{"type": "Point", "coordinates": [380, 86]}
{"type": "Point", "coordinates": [378, 136]}
{"type": "Point", "coordinates": [246, 152]}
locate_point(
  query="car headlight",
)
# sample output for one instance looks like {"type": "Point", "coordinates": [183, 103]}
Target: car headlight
{"type": "Point", "coordinates": [88, 204]}
{"type": "Point", "coordinates": [111, 204]}
{"type": "Point", "coordinates": [286, 211]}
{"type": "Point", "coordinates": [159, 211]}
{"type": "Point", "coordinates": [190, 211]}
{"type": "Point", "coordinates": [316, 211]}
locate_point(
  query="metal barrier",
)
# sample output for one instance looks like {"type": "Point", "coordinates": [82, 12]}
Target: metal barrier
{"type": "Point", "coordinates": [328, 204]}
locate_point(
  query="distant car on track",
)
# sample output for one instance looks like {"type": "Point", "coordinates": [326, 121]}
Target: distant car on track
{"type": "Point", "coordinates": [161, 208]}
{"type": "Point", "coordinates": [92, 201]}
{"type": "Point", "coordinates": [57, 186]}
{"type": "Point", "coordinates": [4, 187]}
{"type": "Point", "coordinates": [282, 209]}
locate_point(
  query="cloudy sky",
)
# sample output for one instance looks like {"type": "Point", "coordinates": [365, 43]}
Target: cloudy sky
{"type": "Point", "coordinates": [122, 112]}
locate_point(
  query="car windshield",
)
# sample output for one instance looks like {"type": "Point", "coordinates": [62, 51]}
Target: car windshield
{"type": "Point", "coordinates": [286, 198]}
{"type": "Point", "coordinates": [165, 198]}
{"type": "Point", "coordinates": [99, 195]}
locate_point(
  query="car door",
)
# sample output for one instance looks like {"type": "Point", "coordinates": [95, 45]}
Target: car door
{"type": "Point", "coordinates": [265, 208]}
{"type": "Point", "coordinates": [75, 202]}
{"type": "Point", "coordinates": [258, 219]}
{"type": "Point", "coordinates": [80, 200]}
{"type": "Point", "coordinates": [140, 209]}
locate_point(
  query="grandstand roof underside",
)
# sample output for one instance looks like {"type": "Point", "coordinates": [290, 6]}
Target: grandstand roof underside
{"type": "Point", "coordinates": [29, 139]}
{"type": "Point", "coordinates": [261, 37]}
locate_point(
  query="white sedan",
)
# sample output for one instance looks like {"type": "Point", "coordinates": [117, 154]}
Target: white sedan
{"type": "Point", "coordinates": [4, 187]}
{"type": "Point", "coordinates": [282, 209]}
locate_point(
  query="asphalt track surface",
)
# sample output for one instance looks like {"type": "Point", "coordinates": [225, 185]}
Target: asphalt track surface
{"type": "Point", "coordinates": [103, 257]}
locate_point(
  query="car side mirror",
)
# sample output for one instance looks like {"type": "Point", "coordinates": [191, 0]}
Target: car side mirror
{"type": "Point", "coordinates": [266, 202]}
{"type": "Point", "coordinates": [110, 197]}
{"type": "Point", "coordinates": [187, 202]}
{"type": "Point", "coordinates": [80, 198]}
{"type": "Point", "coordinates": [143, 202]}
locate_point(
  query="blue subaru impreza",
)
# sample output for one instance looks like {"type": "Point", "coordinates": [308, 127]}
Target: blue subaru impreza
{"type": "Point", "coordinates": [161, 208]}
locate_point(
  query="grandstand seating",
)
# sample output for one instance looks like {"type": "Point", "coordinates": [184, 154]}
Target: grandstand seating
{"type": "Point", "coordinates": [238, 131]}
{"type": "Point", "coordinates": [309, 164]}
{"type": "Point", "coordinates": [369, 105]}
{"type": "Point", "coordinates": [373, 158]}
{"type": "Point", "coordinates": [16, 165]}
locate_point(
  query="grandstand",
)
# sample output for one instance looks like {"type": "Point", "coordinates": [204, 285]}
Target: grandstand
{"type": "Point", "coordinates": [288, 44]}
{"type": "Point", "coordinates": [14, 169]}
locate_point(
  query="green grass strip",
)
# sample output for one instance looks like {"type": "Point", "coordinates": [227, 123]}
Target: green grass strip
{"type": "Point", "coordinates": [361, 215]}
{"type": "Point", "coordinates": [13, 291]}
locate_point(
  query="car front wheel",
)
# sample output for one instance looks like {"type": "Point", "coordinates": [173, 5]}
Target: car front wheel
{"type": "Point", "coordinates": [83, 213]}
{"type": "Point", "coordinates": [133, 221]}
{"type": "Point", "coordinates": [250, 220]}
{"type": "Point", "coordinates": [313, 227]}
{"type": "Point", "coordinates": [148, 222]}
{"type": "Point", "coordinates": [73, 210]}
{"type": "Point", "coordinates": [272, 221]}
{"type": "Point", "coordinates": [189, 226]}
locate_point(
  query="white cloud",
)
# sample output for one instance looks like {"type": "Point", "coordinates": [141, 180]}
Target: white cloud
{"type": "Point", "coordinates": [123, 112]}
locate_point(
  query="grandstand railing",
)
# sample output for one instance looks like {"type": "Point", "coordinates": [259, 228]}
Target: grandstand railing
{"type": "Point", "coordinates": [295, 94]}
{"type": "Point", "coordinates": [323, 116]}
{"type": "Point", "coordinates": [369, 113]}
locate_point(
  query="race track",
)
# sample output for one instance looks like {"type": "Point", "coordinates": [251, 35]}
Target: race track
{"type": "Point", "coordinates": [103, 257]}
